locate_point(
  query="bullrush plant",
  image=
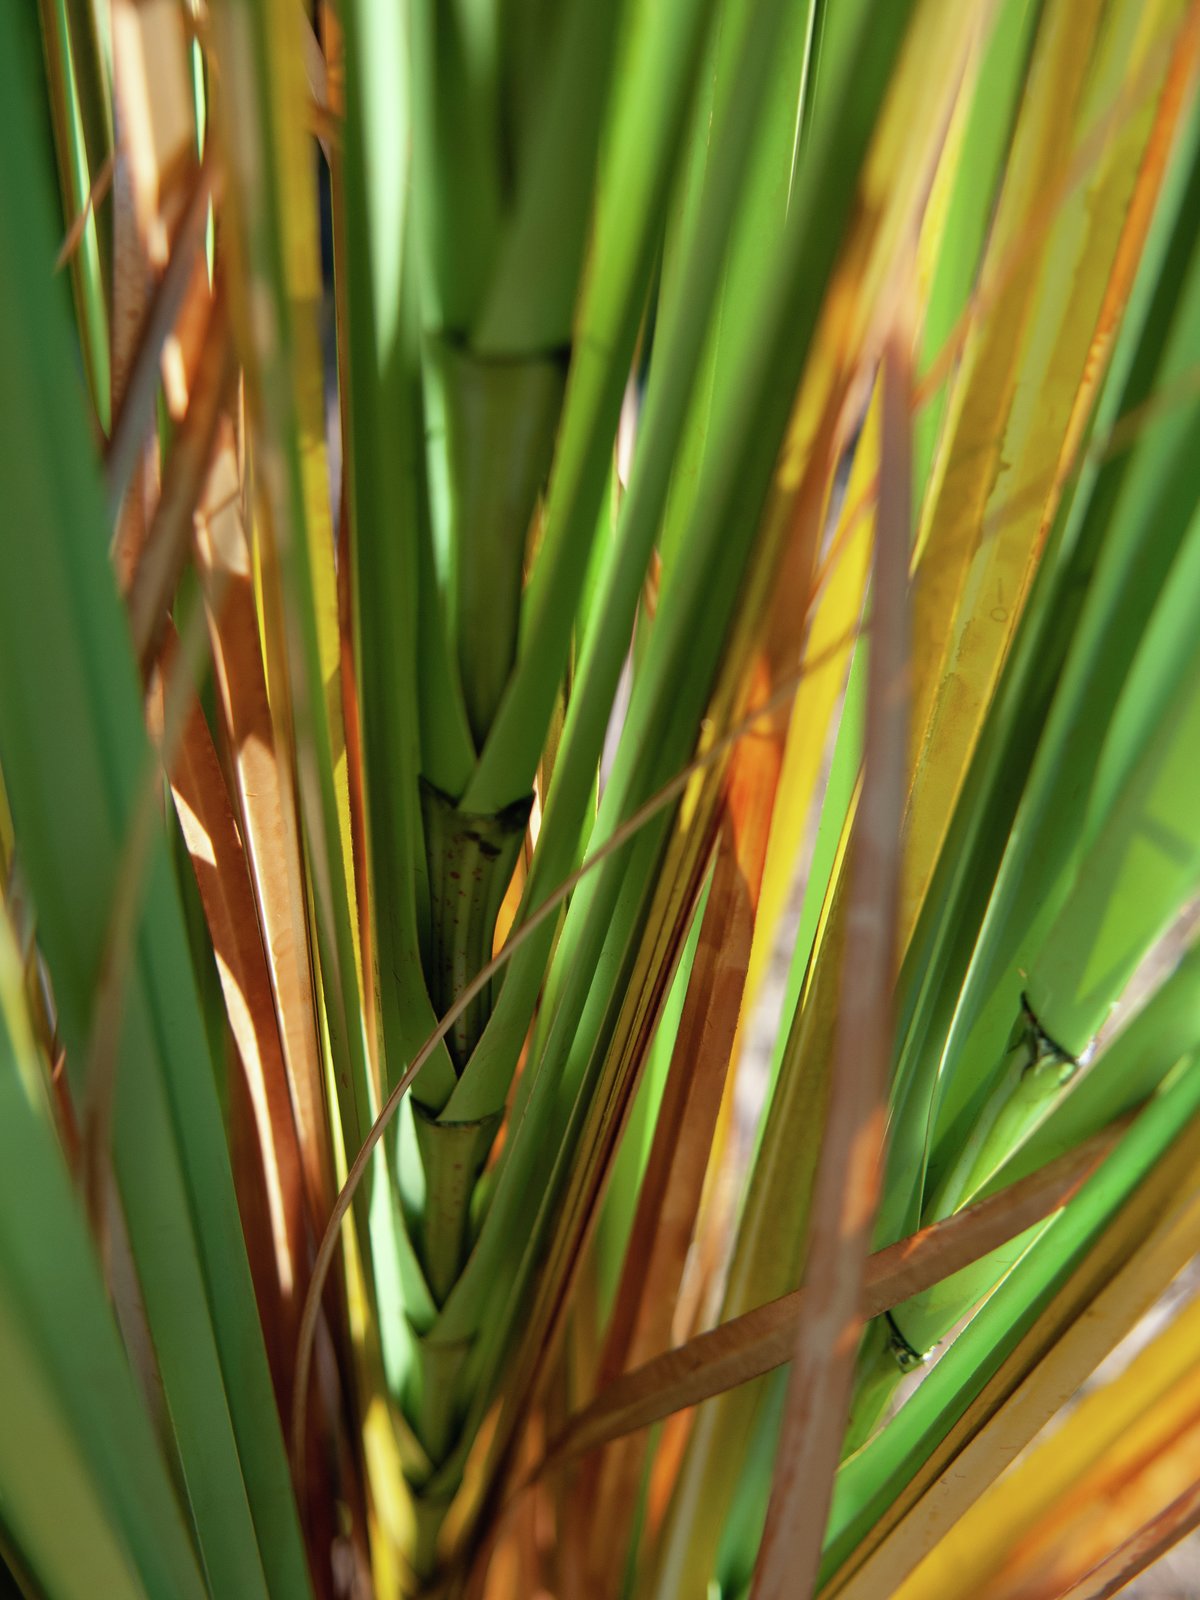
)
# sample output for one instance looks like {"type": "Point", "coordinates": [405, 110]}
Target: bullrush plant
{"type": "Point", "coordinates": [525, 523]}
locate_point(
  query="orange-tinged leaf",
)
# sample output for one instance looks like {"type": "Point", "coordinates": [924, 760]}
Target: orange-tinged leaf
{"type": "Point", "coordinates": [273, 242]}
{"type": "Point", "coordinates": [143, 337]}
{"type": "Point", "coordinates": [269, 1144]}
{"type": "Point", "coordinates": [685, 1125]}
{"type": "Point", "coordinates": [266, 808]}
{"type": "Point", "coordinates": [155, 170]}
{"type": "Point", "coordinates": [161, 559]}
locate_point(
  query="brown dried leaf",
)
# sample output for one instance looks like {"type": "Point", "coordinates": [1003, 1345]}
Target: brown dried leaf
{"type": "Point", "coordinates": [745, 1347]}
